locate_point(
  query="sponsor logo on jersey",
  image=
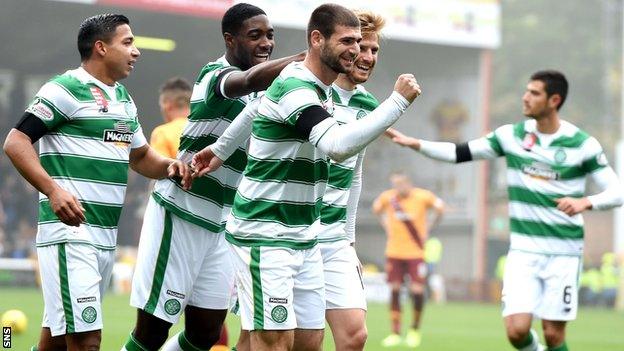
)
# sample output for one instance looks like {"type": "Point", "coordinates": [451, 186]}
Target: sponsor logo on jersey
{"type": "Point", "coordinates": [89, 314]}
{"type": "Point", "coordinates": [281, 300]}
{"type": "Point", "coordinates": [540, 171]}
{"type": "Point", "coordinates": [279, 314]}
{"type": "Point", "coordinates": [86, 299]}
{"type": "Point", "coordinates": [41, 110]}
{"type": "Point", "coordinates": [120, 136]}
{"type": "Point", "coordinates": [172, 307]}
{"type": "Point", "coordinates": [175, 294]}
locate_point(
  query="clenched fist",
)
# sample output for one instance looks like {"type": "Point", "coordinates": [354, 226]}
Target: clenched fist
{"type": "Point", "coordinates": [407, 86]}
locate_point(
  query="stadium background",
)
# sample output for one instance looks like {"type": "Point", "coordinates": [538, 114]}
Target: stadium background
{"type": "Point", "coordinates": [472, 57]}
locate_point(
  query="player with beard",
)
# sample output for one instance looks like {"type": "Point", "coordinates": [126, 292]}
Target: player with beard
{"type": "Point", "coordinates": [548, 163]}
{"type": "Point", "coordinates": [275, 219]}
{"type": "Point", "coordinates": [183, 261]}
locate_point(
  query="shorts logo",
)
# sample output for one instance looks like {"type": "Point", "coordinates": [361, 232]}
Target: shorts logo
{"type": "Point", "coordinates": [89, 314]}
{"type": "Point", "coordinates": [175, 294]}
{"type": "Point", "coordinates": [172, 306]}
{"type": "Point", "coordinates": [279, 314]}
{"type": "Point", "coordinates": [281, 300]}
{"type": "Point", "coordinates": [86, 299]}
{"type": "Point", "coordinates": [40, 110]}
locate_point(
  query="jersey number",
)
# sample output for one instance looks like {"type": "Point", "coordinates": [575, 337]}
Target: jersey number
{"type": "Point", "coordinates": [567, 295]}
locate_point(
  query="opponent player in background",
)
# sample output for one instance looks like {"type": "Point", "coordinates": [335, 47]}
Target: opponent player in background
{"type": "Point", "coordinates": [183, 261]}
{"type": "Point", "coordinates": [173, 100]}
{"type": "Point", "coordinates": [90, 134]}
{"type": "Point", "coordinates": [403, 213]}
{"type": "Point", "coordinates": [276, 214]}
{"type": "Point", "coordinates": [548, 162]}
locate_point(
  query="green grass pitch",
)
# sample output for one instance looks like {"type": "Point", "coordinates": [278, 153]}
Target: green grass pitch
{"type": "Point", "coordinates": [450, 327]}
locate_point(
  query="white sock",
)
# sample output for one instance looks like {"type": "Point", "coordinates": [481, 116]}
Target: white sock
{"type": "Point", "coordinates": [172, 343]}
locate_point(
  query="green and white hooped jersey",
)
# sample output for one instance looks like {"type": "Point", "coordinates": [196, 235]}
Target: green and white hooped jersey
{"type": "Point", "coordinates": [210, 199]}
{"type": "Point", "coordinates": [92, 128]}
{"type": "Point", "coordinates": [279, 199]}
{"type": "Point", "coordinates": [540, 169]}
{"type": "Point", "coordinates": [349, 106]}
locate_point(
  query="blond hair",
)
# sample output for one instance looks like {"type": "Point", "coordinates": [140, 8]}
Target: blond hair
{"type": "Point", "coordinates": [370, 22]}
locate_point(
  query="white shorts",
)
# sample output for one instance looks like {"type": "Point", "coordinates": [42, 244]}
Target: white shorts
{"type": "Point", "coordinates": [279, 288]}
{"type": "Point", "coordinates": [543, 285]}
{"type": "Point", "coordinates": [74, 278]}
{"type": "Point", "coordinates": [343, 277]}
{"type": "Point", "coordinates": [179, 264]}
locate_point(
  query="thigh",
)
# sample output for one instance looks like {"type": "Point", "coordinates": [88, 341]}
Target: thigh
{"type": "Point", "coordinates": [171, 251]}
{"type": "Point", "coordinates": [417, 271]}
{"type": "Point", "coordinates": [265, 281]}
{"type": "Point", "coordinates": [309, 290]}
{"type": "Point", "coordinates": [522, 287]}
{"type": "Point", "coordinates": [71, 279]}
{"type": "Point", "coordinates": [344, 288]}
{"type": "Point", "coordinates": [559, 301]}
{"type": "Point", "coordinates": [395, 271]}
{"type": "Point", "coordinates": [213, 285]}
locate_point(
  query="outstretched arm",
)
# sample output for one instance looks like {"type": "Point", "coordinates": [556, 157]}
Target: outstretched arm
{"type": "Point", "coordinates": [236, 83]}
{"type": "Point", "coordinates": [476, 149]}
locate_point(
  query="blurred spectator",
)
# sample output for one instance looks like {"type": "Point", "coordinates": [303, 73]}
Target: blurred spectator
{"type": "Point", "coordinates": [590, 287]}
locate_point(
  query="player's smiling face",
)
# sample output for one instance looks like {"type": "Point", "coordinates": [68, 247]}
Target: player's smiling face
{"type": "Point", "coordinates": [121, 54]}
{"type": "Point", "coordinates": [535, 101]}
{"type": "Point", "coordinates": [254, 42]}
{"type": "Point", "coordinates": [366, 60]}
{"type": "Point", "coordinates": [339, 51]}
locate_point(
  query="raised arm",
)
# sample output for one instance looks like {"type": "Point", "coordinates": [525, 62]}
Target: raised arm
{"type": "Point", "coordinates": [340, 142]}
{"type": "Point", "coordinates": [354, 198]}
{"type": "Point", "coordinates": [234, 83]}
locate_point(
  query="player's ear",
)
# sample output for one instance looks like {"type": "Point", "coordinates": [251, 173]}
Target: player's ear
{"type": "Point", "coordinates": [316, 38]}
{"type": "Point", "coordinates": [99, 48]}
{"type": "Point", "coordinates": [229, 40]}
{"type": "Point", "coordinates": [554, 100]}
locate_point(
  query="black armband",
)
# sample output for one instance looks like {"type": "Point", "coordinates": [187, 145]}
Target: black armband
{"type": "Point", "coordinates": [310, 117]}
{"type": "Point", "coordinates": [462, 153]}
{"type": "Point", "coordinates": [32, 126]}
{"type": "Point", "coordinates": [220, 77]}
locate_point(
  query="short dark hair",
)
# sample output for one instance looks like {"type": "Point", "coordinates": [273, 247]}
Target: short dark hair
{"type": "Point", "coordinates": [326, 17]}
{"type": "Point", "coordinates": [99, 27]}
{"type": "Point", "coordinates": [554, 83]}
{"type": "Point", "coordinates": [235, 16]}
{"type": "Point", "coordinates": [177, 90]}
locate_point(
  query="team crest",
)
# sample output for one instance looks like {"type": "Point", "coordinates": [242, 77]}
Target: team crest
{"type": "Point", "coordinates": [279, 314]}
{"type": "Point", "coordinates": [130, 108]}
{"type": "Point", "coordinates": [560, 156]}
{"type": "Point", "coordinates": [89, 314]}
{"type": "Point", "coordinates": [172, 306]}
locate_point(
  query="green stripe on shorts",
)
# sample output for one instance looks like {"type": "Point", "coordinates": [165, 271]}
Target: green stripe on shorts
{"type": "Point", "coordinates": [254, 267]}
{"type": "Point", "coordinates": [67, 304]}
{"type": "Point", "coordinates": [161, 265]}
